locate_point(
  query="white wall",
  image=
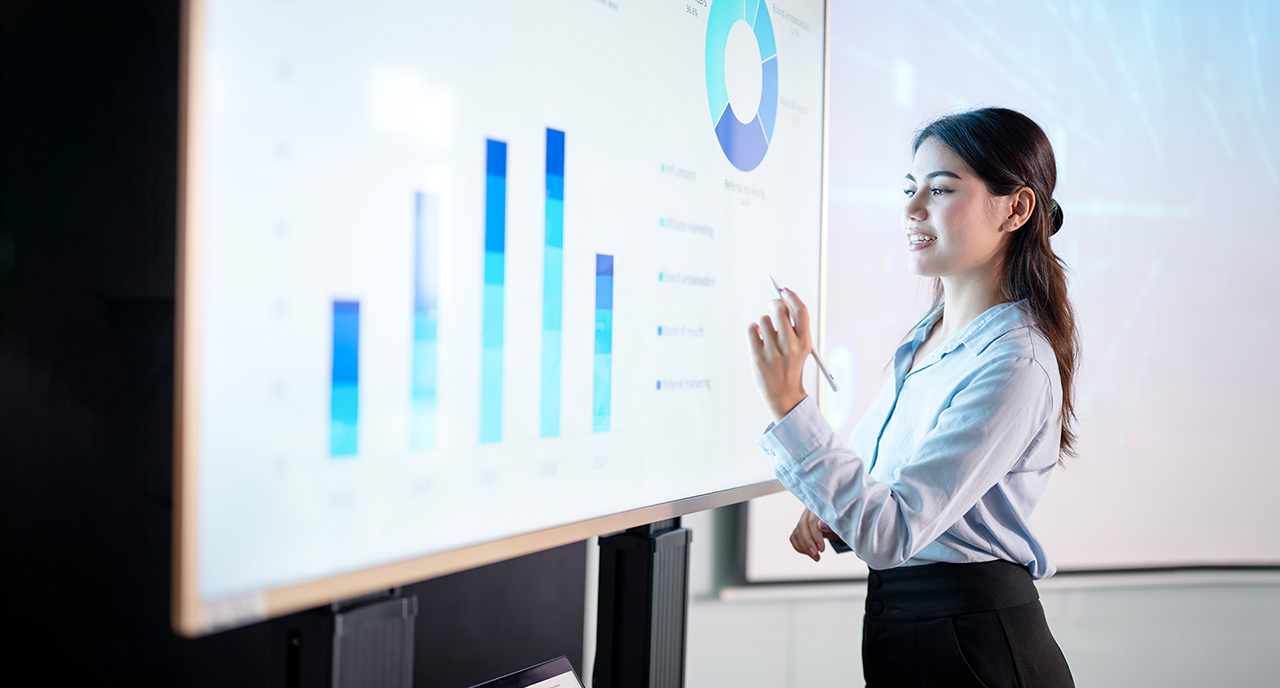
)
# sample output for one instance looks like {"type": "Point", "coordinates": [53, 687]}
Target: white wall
{"type": "Point", "coordinates": [1162, 120]}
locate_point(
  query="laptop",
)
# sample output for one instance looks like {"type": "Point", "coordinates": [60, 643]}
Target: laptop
{"type": "Point", "coordinates": [558, 673]}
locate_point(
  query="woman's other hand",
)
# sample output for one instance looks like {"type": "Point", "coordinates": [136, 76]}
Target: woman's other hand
{"type": "Point", "coordinates": [779, 351]}
{"type": "Point", "coordinates": [810, 534]}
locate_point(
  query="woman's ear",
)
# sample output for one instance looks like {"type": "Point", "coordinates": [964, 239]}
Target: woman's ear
{"type": "Point", "coordinates": [1022, 202]}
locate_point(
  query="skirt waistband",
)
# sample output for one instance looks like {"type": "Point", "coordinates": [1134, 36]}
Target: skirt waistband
{"type": "Point", "coordinates": [936, 590]}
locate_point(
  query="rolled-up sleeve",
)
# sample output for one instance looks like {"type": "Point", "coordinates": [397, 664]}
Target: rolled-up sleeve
{"type": "Point", "coordinates": [990, 424]}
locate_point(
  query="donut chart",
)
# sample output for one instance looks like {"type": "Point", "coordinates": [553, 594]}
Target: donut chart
{"type": "Point", "coordinates": [744, 144]}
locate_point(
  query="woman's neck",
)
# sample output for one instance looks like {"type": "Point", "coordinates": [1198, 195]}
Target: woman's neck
{"type": "Point", "coordinates": [967, 296]}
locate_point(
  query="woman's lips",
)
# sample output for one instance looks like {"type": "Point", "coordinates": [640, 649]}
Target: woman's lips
{"type": "Point", "coordinates": [918, 241]}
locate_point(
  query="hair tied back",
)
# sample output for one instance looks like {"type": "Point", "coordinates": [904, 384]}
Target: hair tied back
{"type": "Point", "coordinates": [1055, 217]}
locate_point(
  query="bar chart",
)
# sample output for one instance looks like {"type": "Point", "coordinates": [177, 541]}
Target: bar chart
{"type": "Point", "coordinates": [553, 279]}
{"type": "Point", "coordinates": [424, 404]}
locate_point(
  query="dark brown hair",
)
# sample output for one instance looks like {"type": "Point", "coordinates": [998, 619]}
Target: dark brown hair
{"type": "Point", "coordinates": [1009, 151]}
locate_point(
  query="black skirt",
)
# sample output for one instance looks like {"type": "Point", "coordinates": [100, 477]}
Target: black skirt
{"type": "Point", "coordinates": [958, 625]}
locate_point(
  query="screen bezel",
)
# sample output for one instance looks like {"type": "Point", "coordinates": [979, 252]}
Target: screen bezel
{"type": "Point", "coordinates": [190, 616]}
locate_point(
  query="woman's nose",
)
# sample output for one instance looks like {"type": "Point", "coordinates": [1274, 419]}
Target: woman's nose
{"type": "Point", "coordinates": [914, 209]}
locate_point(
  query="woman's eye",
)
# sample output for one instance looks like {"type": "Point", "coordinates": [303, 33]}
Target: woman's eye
{"type": "Point", "coordinates": [909, 192]}
{"type": "Point", "coordinates": [939, 192]}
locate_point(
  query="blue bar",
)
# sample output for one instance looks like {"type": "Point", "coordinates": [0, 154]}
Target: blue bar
{"type": "Point", "coordinates": [495, 245]}
{"type": "Point", "coordinates": [602, 387]}
{"type": "Point", "coordinates": [426, 243]}
{"type": "Point", "coordinates": [344, 399]}
{"type": "Point", "coordinates": [553, 284]}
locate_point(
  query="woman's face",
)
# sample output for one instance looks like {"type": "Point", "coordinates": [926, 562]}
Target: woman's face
{"type": "Point", "coordinates": [954, 224]}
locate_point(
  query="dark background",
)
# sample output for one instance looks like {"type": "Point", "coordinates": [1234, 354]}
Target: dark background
{"type": "Point", "coordinates": [88, 172]}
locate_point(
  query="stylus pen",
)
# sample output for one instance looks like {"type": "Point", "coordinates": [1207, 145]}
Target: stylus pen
{"type": "Point", "coordinates": [816, 356]}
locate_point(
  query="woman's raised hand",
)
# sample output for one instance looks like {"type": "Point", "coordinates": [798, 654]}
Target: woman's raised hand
{"type": "Point", "coordinates": [779, 350]}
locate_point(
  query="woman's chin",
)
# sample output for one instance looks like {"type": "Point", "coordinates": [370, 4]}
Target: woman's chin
{"type": "Point", "coordinates": [922, 268]}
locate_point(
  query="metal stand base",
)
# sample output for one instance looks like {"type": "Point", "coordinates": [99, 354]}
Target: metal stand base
{"type": "Point", "coordinates": [643, 612]}
{"type": "Point", "coordinates": [356, 643]}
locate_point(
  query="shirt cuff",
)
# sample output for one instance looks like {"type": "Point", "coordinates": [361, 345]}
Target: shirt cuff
{"type": "Point", "coordinates": [790, 440]}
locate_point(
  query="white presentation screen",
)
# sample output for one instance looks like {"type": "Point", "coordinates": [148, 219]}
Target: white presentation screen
{"type": "Point", "coordinates": [1162, 117]}
{"type": "Point", "coordinates": [456, 272]}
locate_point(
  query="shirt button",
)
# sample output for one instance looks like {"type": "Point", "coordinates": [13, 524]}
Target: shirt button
{"type": "Point", "coordinates": [769, 452]}
{"type": "Point", "coordinates": [874, 581]}
{"type": "Point", "coordinates": [876, 608]}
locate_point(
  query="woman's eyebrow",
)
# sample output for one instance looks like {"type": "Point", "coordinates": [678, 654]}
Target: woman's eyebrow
{"type": "Point", "coordinates": [937, 173]}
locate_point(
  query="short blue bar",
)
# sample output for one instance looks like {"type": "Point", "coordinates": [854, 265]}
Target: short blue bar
{"type": "Point", "coordinates": [602, 387]}
{"type": "Point", "coordinates": [426, 242]}
{"type": "Point", "coordinates": [344, 395]}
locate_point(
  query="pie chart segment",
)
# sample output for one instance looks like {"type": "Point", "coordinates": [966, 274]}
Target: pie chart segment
{"type": "Point", "coordinates": [763, 27]}
{"type": "Point", "coordinates": [723, 15]}
{"type": "Point", "coordinates": [744, 145]}
{"type": "Point", "coordinates": [769, 96]}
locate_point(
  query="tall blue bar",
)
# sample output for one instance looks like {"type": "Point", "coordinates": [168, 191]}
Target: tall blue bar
{"type": "Point", "coordinates": [495, 246]}
{"type": "Point", "coordinates": [602, 387]}
{"type": "Point", "coordinates": [344, 395]}
{"type": "Point", "coordinates": [426, 243]}
{"type": "Point", "coordinates": [553, 284]}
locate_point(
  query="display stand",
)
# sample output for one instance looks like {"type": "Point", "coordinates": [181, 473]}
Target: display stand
{"type": "Point", "coordinates": [367, 641]}
{"type": "Point", "coordinates": [644, 603]}
{"type": "Point", "coordinates": [640, 640]}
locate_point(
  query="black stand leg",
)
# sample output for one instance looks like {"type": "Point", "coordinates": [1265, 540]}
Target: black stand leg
{"type": "Point", "coordinates": [367, 641]}
{"type": "Point", "coordinates": [644, 602]}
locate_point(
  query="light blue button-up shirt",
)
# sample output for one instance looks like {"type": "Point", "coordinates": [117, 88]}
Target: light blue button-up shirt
{"type": "Point", "coordinates": [950, 459]}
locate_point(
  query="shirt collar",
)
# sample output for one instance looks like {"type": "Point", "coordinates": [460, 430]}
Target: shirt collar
{"type": "Point", "coordinates": [996, 322]}
{"type": "Point", "coordinates": [925, 326]}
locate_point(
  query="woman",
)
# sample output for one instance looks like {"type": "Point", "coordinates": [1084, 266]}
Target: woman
{"type": "Point", "coordinates": [938, 483]}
